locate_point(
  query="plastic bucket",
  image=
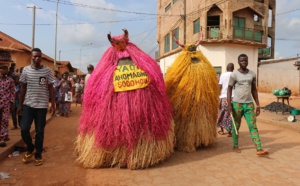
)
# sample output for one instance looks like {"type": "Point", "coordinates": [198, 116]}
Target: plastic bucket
{"type": "Point", "coordinates": [295, 112]}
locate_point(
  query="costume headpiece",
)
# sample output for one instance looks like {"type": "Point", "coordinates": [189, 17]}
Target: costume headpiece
{"type": "Point", "coordinates": [192, 47]}
{"type": "Point", "coordinates": [119, 42]}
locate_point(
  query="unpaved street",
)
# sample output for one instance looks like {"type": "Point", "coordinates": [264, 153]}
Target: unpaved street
{"type": "Point", "coordinates": [216, 165]}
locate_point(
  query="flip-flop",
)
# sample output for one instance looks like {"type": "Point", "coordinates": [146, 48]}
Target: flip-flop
{"type": "Point", "coordinates": [262, 152]}
{"type": "Point", "coordinates": [221, 132]}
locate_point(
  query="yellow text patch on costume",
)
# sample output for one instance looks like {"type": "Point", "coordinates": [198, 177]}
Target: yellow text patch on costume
{"type": "Point", "coordinates": [130, 77]}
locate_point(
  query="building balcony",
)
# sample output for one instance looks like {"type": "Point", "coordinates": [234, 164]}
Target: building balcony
{"type": "Point", "coordinates": [247, 34]}
{"type": "Point", "coordinates": [214, 32]}
{"type": "Point", "coordinates": [265, 53]}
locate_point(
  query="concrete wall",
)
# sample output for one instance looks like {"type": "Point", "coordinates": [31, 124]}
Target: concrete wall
{"type": "Point", "coordinates": [278, 74]}
{"type": "Point", "coordinates": [220, 55]}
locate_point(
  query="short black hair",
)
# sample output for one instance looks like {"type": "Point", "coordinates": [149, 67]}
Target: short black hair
{"type": "Point", "coordinates": [56, 71]}
{"type": "Point", "coordinates": [242, 55]}
{"type": "Point", "coordinates": [36, 50]}
{"type": "Point", "coordinates": [90, 66]}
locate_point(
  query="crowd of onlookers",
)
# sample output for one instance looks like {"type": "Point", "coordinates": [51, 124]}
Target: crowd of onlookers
{"type": "Point", "coordinates": [26, 94]}
{"type": "Point", "coordinates": [67, 89]}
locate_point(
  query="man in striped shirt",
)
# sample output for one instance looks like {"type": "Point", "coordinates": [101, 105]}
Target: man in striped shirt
{"type": "Point", "coordinates": [37, 84]}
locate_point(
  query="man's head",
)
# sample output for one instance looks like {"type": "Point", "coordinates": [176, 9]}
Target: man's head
{"type": "Point", "coordinates": [56, 73]}
{"type": "Point", "coordinates": [90, 68]}
{"type": "Point", "coordinates": [36, 56]}
{"type": "Point", "coordinates": [12, 67]}
{"type": "Point", "coordinates": [243, 61]}
{"type": "Point", "coordinates": [65, 75]}
{"type": "Point", "coordinates": [230, 67]}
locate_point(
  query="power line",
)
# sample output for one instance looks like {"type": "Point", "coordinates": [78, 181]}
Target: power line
{"type": "Point", "coordinates": [285, 39]}
{"type": "Point", "coordinates": [100, 22]}
{"type": "Point", "coordinates": [288, 12]}
{"type": "Point", "coordinates": [106, 9]}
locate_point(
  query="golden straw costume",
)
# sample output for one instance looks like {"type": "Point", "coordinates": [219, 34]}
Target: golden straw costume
{"type": "Point", "coordinates": [193, 90]}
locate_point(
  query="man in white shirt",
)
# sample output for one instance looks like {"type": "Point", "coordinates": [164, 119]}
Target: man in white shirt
{"type": "Point", "coordinates": [90, 69]}
{"type": "Point", "coordinates": [224, 119]}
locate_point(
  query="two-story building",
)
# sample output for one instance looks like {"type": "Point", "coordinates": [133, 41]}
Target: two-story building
{"type": "Point", "coordinates": [227, 28]}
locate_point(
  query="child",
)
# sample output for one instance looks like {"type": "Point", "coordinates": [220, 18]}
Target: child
{"type": "Point", "coordinates": [7, 96]}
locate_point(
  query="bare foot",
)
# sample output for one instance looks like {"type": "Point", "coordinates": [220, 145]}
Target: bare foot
{"type": "Point", "coordinates": [236, 149]}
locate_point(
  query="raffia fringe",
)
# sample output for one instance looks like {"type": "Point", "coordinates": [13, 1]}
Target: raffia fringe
{"type": "Point", "coordinates": [146, 153]}
{"type": "Point", "coordinates": [193, 91]}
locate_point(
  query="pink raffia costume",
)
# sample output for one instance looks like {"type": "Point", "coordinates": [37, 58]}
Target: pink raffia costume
{"type": "Point", "coordinates": [126, 119]}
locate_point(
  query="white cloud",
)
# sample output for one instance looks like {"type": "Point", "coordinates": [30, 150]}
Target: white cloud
{"type": "Point", "coordinates": [95, 14]}
{"type": "Point", "coordinates": [277, 56]}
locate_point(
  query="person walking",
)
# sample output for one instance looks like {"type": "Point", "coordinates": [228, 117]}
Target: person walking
{"type": "Point", "coordinates": [78, 91]}
{"type": "Point", "coordinates": [16, 118]}
{"type": "Point", "coordinates": [244, 81]}
{"type": "Point", "coordinates": [7, 96]}
{"type": "Point", "coordinates": [64, 86]}
{"type": "Point", "coordinates": [90, 69]}
{"type": "Point", "coordinates": [36, 87]}
{"type": "Point", "coordinates": [224, 119]}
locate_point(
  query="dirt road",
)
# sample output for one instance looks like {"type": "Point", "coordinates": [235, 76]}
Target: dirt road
{"type": "Point", "coordinates": [215, 165]}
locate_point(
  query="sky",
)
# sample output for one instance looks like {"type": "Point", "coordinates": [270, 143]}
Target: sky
{"type": "Point", "coordinates": [82, 26]}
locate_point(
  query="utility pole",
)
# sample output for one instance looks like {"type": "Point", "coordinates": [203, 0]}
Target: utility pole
{"type": "Point", "coordinates": [55, 36]}
{"type": "Point", "coordinates": [33, 25]}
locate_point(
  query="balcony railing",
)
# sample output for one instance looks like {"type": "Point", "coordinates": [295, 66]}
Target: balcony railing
{"type": "Point", "coordinates": [247, 34]}
{"type": "Point", "coordinates": [264, 52]}
{"type": "Point", "coordinates": [213, 32]}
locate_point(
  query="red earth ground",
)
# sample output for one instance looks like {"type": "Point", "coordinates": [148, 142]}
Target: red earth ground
{"type": "Point", "coordinates": [214, 165]}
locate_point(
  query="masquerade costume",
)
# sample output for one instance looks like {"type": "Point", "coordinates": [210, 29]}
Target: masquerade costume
{"type": "Point", "coordinates": [126, 116]}
{"type": "Point", "coordinates": [193, 91]}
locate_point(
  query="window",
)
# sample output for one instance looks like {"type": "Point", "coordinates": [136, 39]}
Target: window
{"type": "Point", "coordinates": [239, 25]}
{"type": "Point", "coordinates": [168, 7]}
{"type": "Point", "coordinates": [167, 43]}
{"type": "Point", "coordinates": [174, 1]}
{"type": "Point", "coordinates": [197, 26]}
{"type": "Point", "coordinates": [174, 44]}
{"type": "Point", "coordinates": [239, 22]}
{"type": "Point", "coordinates": [218, 70]}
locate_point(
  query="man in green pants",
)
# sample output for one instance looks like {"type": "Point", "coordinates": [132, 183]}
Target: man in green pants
{"type": "Point", "coordinates": [244, 81]}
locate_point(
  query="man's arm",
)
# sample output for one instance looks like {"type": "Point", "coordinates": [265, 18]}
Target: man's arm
{"type": "Point", "coordinates": [229, 95]}
{"type": "Point", "coordinates": [22, 97]}
{"type": "Point", "coordinates": [255, 97]}
{"type": "Point", "coordinates": [52, 97]}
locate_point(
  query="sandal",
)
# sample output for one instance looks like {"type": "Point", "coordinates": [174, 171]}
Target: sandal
{"type": "Point", "coordinates": [262, 152]}
{"type": "Point", "coordinates": [38, 162]}
{"type": "Point", "coordinates": [221, 132]}
{"type": "Point", "coordinates": [27, 157]}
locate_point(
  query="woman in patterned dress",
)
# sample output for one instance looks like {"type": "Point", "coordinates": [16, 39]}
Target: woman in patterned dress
{"type": "Point", "coordinates": [64, 86]}
{"type": "Point", "coordinates": [7, 96]}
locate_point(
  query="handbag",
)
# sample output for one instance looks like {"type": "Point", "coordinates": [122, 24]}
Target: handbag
{"type": "Point", "coordinates": [69, 96]}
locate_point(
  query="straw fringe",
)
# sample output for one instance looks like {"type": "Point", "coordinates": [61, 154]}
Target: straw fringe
{"type": "Point", "coordinates": [147, 152]}
{"type": "Point", "coordinates": [193, 91]}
